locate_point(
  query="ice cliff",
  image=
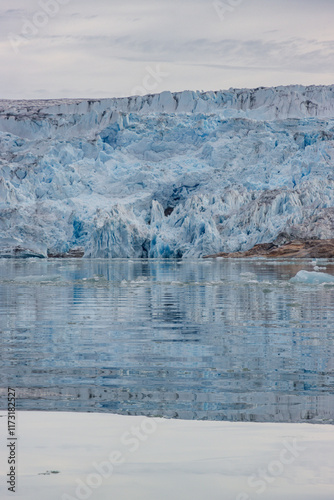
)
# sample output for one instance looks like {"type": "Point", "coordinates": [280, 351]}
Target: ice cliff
{"type": "Point", "coordinates": [166, 175]}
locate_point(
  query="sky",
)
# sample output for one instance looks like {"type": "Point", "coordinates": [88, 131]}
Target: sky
{"type": "Point", "coordinates": [107, 48]}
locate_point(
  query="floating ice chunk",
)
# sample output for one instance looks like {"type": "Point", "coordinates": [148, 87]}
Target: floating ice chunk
{"type": "Point", "coordinates": [312, 278]}
{"type": "Point", "coordinates": [38, 279]}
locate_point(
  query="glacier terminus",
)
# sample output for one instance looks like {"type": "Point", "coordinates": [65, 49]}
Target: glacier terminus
{"type": "Point", "coordinates": [171, 175]}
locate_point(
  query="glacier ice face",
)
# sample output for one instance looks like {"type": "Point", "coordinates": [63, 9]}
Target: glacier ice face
{"type": "Point", "coordinates": [166, 175]}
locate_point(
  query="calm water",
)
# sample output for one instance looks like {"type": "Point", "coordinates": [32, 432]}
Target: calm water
{"type": "Point", "coordinates": [196, 340]}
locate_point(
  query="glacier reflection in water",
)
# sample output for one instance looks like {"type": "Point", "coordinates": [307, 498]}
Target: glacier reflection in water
{"type": "Point", "coordinates": [219, 340]}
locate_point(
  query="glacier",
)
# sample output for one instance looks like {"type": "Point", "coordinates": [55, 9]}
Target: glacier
{"type": "Point", "coordinates": [170, 175]}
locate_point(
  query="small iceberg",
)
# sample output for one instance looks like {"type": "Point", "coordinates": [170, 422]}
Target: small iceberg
{"type": "Point", "coordinates": [312, 278]}
{"type": "Point", "coordinates": [38, 278]}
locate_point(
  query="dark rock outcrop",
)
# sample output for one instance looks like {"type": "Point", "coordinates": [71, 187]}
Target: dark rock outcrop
{"type": "Point", "coordinates": [74, 253]}
{"type": "Point", "coordinates": [308, 248]}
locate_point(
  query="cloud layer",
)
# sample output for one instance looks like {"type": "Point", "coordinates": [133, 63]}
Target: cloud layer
{"type": "Point", "coordinates": [79, 48]}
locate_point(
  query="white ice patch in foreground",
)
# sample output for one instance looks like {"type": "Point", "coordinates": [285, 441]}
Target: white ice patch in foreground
{"type": "Point", "coordinates": [76, 456]}
{"type": "Point", "coordinates": [312, 278]}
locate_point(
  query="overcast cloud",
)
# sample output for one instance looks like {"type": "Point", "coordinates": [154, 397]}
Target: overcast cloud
{"type": "Point", "coordinates": [104, 48]}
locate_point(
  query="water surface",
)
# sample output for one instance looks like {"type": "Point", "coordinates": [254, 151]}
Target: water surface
{"type": "Point", "coordinates": [218, 340]}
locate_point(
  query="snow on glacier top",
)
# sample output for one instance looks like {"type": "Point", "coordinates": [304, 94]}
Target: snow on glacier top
{"type": "Point", "coordinates": [294, 101]}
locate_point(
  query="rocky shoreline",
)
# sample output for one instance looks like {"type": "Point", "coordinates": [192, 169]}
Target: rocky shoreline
{"type": "Point", "coordinates": [308, 248]}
